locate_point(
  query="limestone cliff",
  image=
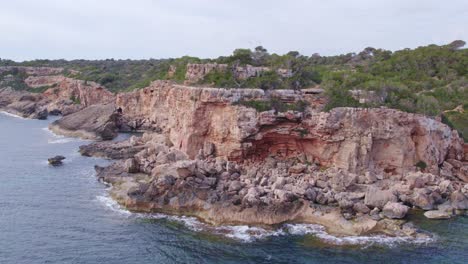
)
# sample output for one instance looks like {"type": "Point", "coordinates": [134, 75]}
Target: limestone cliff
{"type": "Point", "coordinates": [355, 140]}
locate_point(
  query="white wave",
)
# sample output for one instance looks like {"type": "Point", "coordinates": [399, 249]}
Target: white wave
{"type": "Point", "coordinates": [59, 139]}
{"type": "Point", "coordinates": [320, 232]}
{"type": "Point", "coordinates": [247, 233]}
{"type": "Point", "coordinates": [244, 233]}
{"type": "Point", "coordinates": [11, 115]}
{"type": "Point", "coordinates": [113, 205]}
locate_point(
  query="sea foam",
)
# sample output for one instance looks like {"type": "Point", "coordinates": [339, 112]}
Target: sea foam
{"type": "Point", "coordinates": [244, 233]}
{"type": "Point", "coordinates": [11, 115]}
{"type": "Point", "coordinates": [59, 139]}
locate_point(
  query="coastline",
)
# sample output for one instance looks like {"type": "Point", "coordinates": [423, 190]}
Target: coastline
{"type": "Point", "coordinates": [230, 164]}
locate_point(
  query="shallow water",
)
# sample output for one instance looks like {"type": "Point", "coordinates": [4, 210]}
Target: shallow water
{"type": "Point", "coordinates": [63, 215]}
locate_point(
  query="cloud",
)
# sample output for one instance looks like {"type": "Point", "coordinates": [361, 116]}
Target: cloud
{"type": "Point", "coordinates": [92, 29]}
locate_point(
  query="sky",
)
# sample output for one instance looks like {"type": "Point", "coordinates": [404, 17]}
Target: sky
{"type": "Point", "coordinates": [142, 29]}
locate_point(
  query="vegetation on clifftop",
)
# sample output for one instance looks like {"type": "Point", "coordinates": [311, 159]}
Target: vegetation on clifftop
{"type": "Point", "coordinates": [428, 80]}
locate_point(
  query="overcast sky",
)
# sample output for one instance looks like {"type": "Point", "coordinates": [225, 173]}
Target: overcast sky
{"type": "Point", "coordinates": [98, 29]}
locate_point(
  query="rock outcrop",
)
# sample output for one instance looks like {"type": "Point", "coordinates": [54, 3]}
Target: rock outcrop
{"type": "Point", "coordinates": [68, 95]}
{"type": "Point", "coordinates": [36, 71]}
{"type": "Point", "coordinates": [56, 161]}
{"type": "Point", "coordinates": [24, 104]}
{"type": "Point", "coordinates": [94, 122]}
{"type": "Point", "coordinates": [196, 72]}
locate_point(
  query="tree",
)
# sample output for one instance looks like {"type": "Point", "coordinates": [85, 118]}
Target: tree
{"type": "Point", "coordinates": [293, 54]}
{"type": "Point", "coordinates": [259, 56]}
{"type": "Point", "coordinates": [457, 44]}
{"type": "Point", "coordinates": [243, 56]}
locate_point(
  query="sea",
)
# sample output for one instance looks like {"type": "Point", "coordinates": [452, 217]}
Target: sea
{"type": "Point", "coordinates": [64, 215]}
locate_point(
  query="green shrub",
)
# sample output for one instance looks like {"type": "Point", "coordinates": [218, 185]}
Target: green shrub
{"type": "Point", "coordinates": [421, 164]}
{"type": "Point", "coordinates": [274, 104]}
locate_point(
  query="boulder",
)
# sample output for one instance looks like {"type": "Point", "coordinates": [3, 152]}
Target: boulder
{"type": "Point", "coordinates": [376, 197]}
{"type": "Point", "coordinates": [310, 194]}
{"type": "Point", "coordinates": [421, 199]}
{"type": "Point", "coordinates": [395, 210]}
{"type": "Point", "coordinates": [235, 186]}
{"type": "Point", "coordinates": [438, 214]}
{"type": "Point", "coordinates": [459, 200]}
{"type": "Point", "coordinates": [361, 208]}
{"type": "Point", "coordinates": [298, 168]}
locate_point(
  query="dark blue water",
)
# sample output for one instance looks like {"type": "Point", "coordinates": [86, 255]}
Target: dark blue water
{"type": "Point", "coordinates": [62, 215]}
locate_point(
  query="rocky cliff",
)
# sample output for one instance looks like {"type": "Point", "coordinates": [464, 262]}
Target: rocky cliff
{"type": "Point", "coordinates": [64, 95]}
{"type": "Point", "coordinates": [355, 140]}
{"type": "Point", "coordinates": [36, 71]}
{"type": "Point", "coordinates": [222, 155]}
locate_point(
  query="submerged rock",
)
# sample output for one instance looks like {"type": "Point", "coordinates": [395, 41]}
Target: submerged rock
{"type": "Point", "coordinates": [438, 214]}
{"type": "Point", "coordinates": [56, 161]}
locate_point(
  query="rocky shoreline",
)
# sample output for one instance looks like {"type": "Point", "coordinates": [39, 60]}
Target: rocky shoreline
{"type": "Point", "coordinates": [206, 154]}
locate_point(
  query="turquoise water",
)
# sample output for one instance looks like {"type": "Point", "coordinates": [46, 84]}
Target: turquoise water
{"type": "Point", "coordinates": [63, 215]}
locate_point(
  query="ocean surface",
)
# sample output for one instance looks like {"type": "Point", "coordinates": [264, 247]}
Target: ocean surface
{"type": "Point", "coordinates": [63, 215]}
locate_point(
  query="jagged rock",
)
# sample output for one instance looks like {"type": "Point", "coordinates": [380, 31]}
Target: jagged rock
{"type": "Point", "coordinates": [446, 187]}
{"type": "Point", "coordinates": [131, 166]}
{"type": "Point", "coordinates": [376, 197]}
{"type": "Point", "coordinates": [56, 161]}
{"type": "Point", "coordinates": [422, 200]}
{"type": "Point", "coordinates": [395, 210]}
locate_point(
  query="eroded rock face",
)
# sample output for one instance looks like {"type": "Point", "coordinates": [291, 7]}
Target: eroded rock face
{"type": "Point", "coordinates": [383, 141]}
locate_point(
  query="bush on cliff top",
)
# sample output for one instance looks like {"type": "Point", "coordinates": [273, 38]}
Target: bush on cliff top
{"type": "Point", "coordinates": [274, 104]}
{"type": "Point", "coordinates": [427, 80]}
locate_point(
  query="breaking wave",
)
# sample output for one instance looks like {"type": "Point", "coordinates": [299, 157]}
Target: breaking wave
{"type": "Point", "coordinates": [59, 139]}
{"type": "Point", "coordinates": [11, 115]}
{"type": "Point", "coordinates": [244, 233]}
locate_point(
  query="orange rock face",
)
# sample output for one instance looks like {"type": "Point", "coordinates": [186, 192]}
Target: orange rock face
{"type": "Point", "coordinates": [352, 139]}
